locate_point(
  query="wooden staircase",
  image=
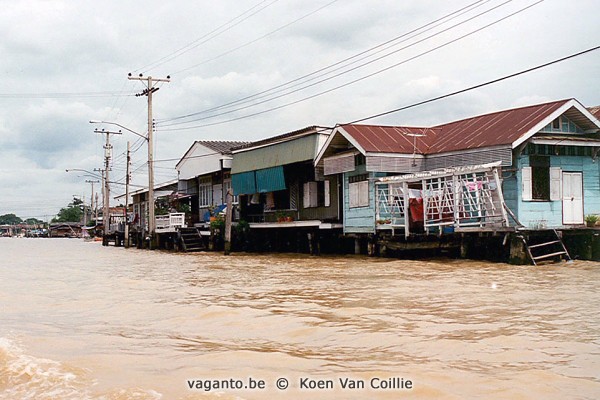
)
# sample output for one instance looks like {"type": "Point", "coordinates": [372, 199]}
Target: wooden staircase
{"type": "Point", "coordinates": [191, 240]}
{"type": "Point", "coordinates": [554, 249]}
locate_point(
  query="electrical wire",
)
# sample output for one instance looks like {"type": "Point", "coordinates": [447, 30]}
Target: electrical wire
{"type": "Point", "coordinates": [208, 36]}
{"type": "Point", "coordinates": [255, 40]}
{"type": "Point", "coordinates": [355, 80]}
{"type": "Point", "coordinates": [318, 72]}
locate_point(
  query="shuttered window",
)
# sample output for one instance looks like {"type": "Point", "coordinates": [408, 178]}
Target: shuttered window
{"type": "Point", "coordinates": [526, 184]}
{"type": "Point", "coordinates": [358, 193]}
{"type": "Point", "coordinates": [541, 183]}
{"type": "Point", "coordinates": [555, 184]}
{"type": "Point", "coordinates": [310, 195]}
{"type": "Point", "coordinates": [327, 194]}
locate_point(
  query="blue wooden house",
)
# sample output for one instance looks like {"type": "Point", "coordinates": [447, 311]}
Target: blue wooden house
{"type": "Point", "coordinates": [537, 163]}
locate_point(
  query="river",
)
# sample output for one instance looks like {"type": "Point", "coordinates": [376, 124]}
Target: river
{"type": "Point", "coordinates": [82, 321]}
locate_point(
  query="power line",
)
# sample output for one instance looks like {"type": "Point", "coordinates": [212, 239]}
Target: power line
{"type": "Point", "coordinates": [62, 95]}
{"type": "Point", "coordinates": [355, 80]}
{"type": "Point", "coordinates": [322, 71]}
{"type": "Point", "coordinates": [208, 36]}
{"type": "Point", "coordinates": [475, 86]}
{"type": "Point", "coordinates": [260, 94]}
{"type": "Point", "coordinates": [257, 39]}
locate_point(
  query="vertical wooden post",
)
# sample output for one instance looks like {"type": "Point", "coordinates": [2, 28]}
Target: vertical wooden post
{"type": "Point", "coordinates": [406, 199]}
{"type": "Point", "coordinates": [228, 219]}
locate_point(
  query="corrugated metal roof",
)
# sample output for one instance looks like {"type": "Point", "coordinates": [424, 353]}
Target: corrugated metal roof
{"type": "Point", "coordinates": [223, 147]}
{"type": "Point", "coordinates": [499, 128]}
{"type": "Point", "coordinates": [595, 111]}
{"type": "Point", "coordinates": [282, 137]}
{"type": "Point", "coordinates": [389, 139]}
{"type": "Point", "coordinates": [488, 130]}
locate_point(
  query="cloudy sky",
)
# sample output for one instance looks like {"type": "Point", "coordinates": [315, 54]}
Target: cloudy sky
{"type": "Point", "coordinates": [250, 69]}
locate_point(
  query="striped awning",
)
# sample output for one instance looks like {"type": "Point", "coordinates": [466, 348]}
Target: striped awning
{"type": "Point", "coordinates": [243, 183]}
{"type": "Point", "coordinates": [270, 179]}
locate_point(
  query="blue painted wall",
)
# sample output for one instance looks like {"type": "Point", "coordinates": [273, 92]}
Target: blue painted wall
{"type": "Point", "coordinates": [360, 219]}
{"type": "Point", "coordinates": [531, 213]}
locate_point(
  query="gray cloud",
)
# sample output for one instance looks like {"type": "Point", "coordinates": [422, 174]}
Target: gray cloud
{"type": "Point", "coordinates": [89, 46]}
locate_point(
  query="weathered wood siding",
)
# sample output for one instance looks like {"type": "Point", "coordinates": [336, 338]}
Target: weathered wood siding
{"type": "Point", "coordinates": [322, 213]}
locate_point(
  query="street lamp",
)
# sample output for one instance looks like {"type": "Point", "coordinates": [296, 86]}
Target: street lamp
{"type": "Point", "coordinates": [94, 121]}
{"type": "Point", "coordinates": [151, 217]}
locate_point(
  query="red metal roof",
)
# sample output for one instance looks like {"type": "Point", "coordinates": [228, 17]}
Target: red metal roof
{"type": "Point", "coordinates": [389, 139]}
{"type": "Point", "coordinates": [595, 111]}
{"type": "Point", "coordinates": [498, 128]}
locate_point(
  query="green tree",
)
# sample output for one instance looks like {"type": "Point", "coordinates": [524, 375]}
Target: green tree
{"type": "Point", "coordinates": [33, 221]}
{"type": "Point", "coordinates": [72, 213]}
{"type": "Point", "coordinates": [10, 219]}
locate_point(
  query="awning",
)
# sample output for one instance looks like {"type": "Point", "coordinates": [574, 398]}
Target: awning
{"type": "Point", "coordinates": [243, 183]}
{"type": "Point", "coordinates": [270, 179]}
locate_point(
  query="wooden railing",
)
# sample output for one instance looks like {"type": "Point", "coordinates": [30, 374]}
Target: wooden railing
{"type": "Point", "coordinates": [170, 222]}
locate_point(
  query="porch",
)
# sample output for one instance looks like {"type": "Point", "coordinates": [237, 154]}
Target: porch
{"type": "Point", "coordinates": [442, 201]}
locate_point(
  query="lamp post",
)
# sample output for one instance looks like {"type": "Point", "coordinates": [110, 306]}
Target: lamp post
{"type": "Point", "coordinates": [151, 218]}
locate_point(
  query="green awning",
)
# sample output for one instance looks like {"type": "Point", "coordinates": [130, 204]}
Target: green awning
{"type": "Point", "coordinates": [270, 180]}
{"type": "Point", "coordinates": [243, 183]}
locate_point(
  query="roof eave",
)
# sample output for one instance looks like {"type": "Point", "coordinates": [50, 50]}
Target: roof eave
{"type": "Point", "coordinates": [551, 117]}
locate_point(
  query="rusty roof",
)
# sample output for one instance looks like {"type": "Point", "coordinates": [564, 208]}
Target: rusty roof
{"type": "Point", "coordinates": [498, 128]}
{"type": "Point", "coordinates": [595, 111]}
{"type": "Point", "coordinates": [488, 130]}
{"type": "Point", "coordinates": [389, 139]}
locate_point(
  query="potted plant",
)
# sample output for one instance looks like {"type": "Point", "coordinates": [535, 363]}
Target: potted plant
{"type": "Point", "coordinates": [280, 216]}
{"type": "Point", "coordinates": [591, 219]}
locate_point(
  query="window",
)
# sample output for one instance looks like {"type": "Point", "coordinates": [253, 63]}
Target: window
{"type": "Point", "coordinates": [540, 177]}
{"type": "Point", "coordinates": [316, 194]}
{"type": "Point", "coordinates": [310, 195]}
{"type": "Point", "coordinates": [556, 124]}
{"type": "Point", "coordinates": [204, 192]}
{"type": "Point", "coordinates": [540, 181]}
{"type": "Point", "coordinates": [358, 193]}
{"type": "Point", "coordinates": [226, 187]}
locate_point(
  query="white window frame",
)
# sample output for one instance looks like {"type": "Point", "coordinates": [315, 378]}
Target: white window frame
{"type": "Point", "coordinates": [555, 184]}
{"type": "Point", "coordinates": [204, 192]}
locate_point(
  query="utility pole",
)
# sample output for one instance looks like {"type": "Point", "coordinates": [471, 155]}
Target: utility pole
{"type": "Point", "coordinates": [92, 200]}
{"type": "Point", "coordinates": [228, 219]}
{"type": "Point", "coordinates": [107, 156]}
{"type": "Point", "coordinates": [150, 88]}
{"type": "Point", "coordinates": [127, 177]}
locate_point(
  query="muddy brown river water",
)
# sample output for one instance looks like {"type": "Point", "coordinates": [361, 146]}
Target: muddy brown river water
{"type": "Point", "coordinates": [82, 321]}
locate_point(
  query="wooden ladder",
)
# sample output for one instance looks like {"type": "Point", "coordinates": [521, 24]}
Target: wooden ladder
{"type": "Point", "coordinates": [555, 247]}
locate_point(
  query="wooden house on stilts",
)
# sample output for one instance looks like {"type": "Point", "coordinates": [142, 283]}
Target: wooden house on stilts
{"type": "Point", "coordinates": [515, 174]}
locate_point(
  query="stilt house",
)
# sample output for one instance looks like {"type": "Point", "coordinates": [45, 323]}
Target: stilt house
{"type": "Point", "coordinates": [532, 167]}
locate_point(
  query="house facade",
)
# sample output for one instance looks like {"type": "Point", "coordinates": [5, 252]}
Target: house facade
{"type": "Point", "coordinates": [204, 175]}
{"type": "Point", "coordinates": [279, 187]}
{"type": "Point", "coordinates": [539, 162]}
